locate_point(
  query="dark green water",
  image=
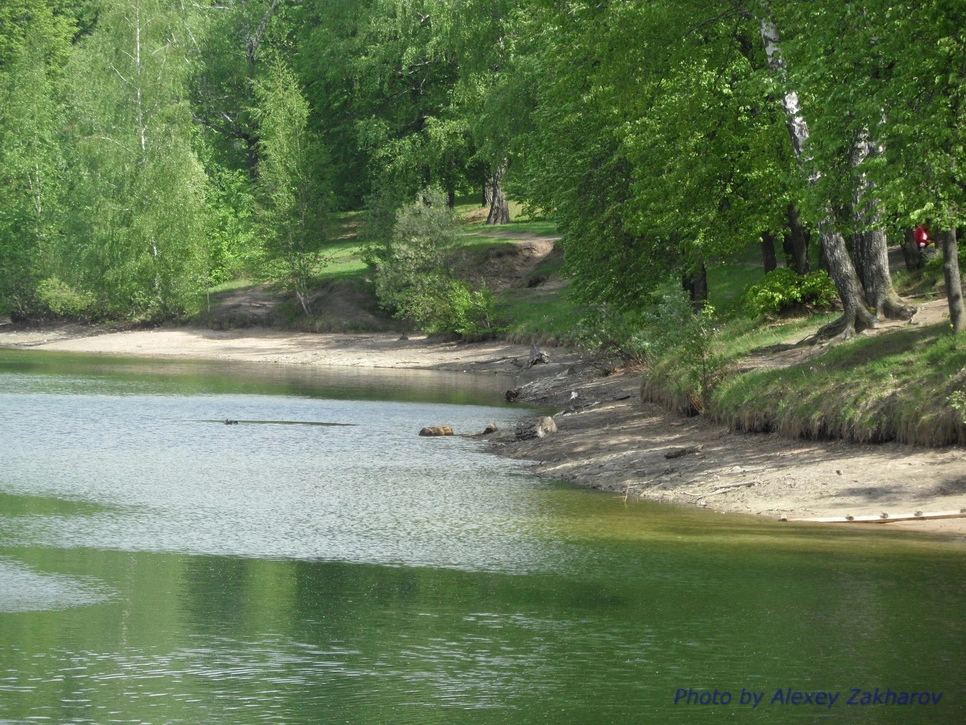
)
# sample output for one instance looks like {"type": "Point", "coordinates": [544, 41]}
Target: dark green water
{"type": "Point", "coordinates": [158, 566]}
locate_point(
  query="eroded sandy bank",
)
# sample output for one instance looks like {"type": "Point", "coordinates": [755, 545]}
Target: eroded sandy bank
{"type": "Point", "coordinates": [606, 439]}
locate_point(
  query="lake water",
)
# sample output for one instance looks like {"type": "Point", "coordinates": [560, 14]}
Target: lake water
{"type": "Point", "coordinates": [319, 562]}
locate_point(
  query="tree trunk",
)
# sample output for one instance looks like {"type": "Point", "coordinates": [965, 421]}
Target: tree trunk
{"type": "Point", "coordinates": [869, 241]}
{"type": "Point", "coordinates": [696, 285]}
{"type": "Point", "coordinates": [911, 253]}
{"type": "Point", "coordinates": [768, 259]}
{"type": "Point", "coordinates": [796, 242]}
{"type": "Point", "coordinates": [872, 260]}
{"type": "Point", "coordinates": [499, 208]}
{"type": "Point", "coordinates": [856, 316]}
{"type": "Point", "coordinates": [954, 282]}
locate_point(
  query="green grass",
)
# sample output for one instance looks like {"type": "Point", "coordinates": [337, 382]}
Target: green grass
{"type": "Point", "coordinates": [727, 282]}
{"type": "Point", "coordinates": [892, 387]}
{"type": "Point", "coordinates": [539, 316]}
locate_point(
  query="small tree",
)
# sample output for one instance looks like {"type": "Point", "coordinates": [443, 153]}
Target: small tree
{"type": "Point", "coordinates": [292, 202]}
{"type": "Point", "coordinates": [412, 277]}
{"type": "Point", "coordinates": [686, 361]}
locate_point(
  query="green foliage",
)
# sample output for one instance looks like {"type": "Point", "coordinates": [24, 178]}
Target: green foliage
{"type": "Point", "coordinates": [471, 313]}
{"type": "Point", "coordinates": [34, 45]}
{"type": "Point", "coordinates": [686, 363]}
{"type": "Point", "coordinates": [784, 290]}
{"type": "Point", "coordinates": [655, 155]}
{"type": "Point", "coordinates": [601, 329]}
{"type": "Point", "coordinates": [135, 239]}
{"type": "Point", "coordinates": [292, 195]}
{"type": "Point", "coordinates": [410, 261]}
{"type": "Point", "coordinates": [412, 278]}
{"type": "Point", "coordinates": [232, 245]}
{"type": "Point", "coordinates": [63, 300]}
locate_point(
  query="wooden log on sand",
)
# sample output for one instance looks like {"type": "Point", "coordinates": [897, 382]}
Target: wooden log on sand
{"type": "Point", "coordinates": [885, 518]}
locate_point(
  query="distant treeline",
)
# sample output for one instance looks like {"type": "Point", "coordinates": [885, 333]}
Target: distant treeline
{"type": "Point", "coordinates": [150, 149]}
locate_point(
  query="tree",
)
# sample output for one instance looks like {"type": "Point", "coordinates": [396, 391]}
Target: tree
{"type": "Point", "coordinates": [34, 44]}
{"type": "Point", "coordinates": [230, 46]}
{"type": "Point", "coordinates": [412, 276]}
{"type": "Point", "coordinates": [654, 147]}
{"type": "Point", "coordinates": [917, 106]}
{"type": "Point", "coordinates": [293, 199]}
{"type": "Point", "coordinates": [856, 315]}
{"type": "Point", "coordinates": [381, 81]}
{"type": "Point", "coordinates": [139, 218]}
{"type": "Point", "coordinates": [849, 83]}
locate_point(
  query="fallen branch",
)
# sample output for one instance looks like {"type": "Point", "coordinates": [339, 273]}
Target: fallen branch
{"type": "Point", "coordinates": [721, 489]}
{"type": "Point", "coordinates": [885, 518]}
{"type": "Point", "coordinates": [678, 452]}
{"type": "Point", "coordinates": [537, 356]}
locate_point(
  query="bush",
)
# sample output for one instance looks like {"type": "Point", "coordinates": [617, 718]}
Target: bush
{"type": "Point", "coordinates": [470, 311]}
{"type": "Point", "coordinates": [413, 280]}
{"type": "Point", "coordinates": [686, 364]}
{"type": "Point", "coordinates": [62, 299]}
{"type": "Point", "coordinates": [784, 290]}
{"type": "Point", "coordinates": [602, 329]}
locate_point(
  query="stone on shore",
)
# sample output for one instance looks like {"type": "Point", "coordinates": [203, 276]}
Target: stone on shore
{"type": "Point", "coordinates": [536, 428]}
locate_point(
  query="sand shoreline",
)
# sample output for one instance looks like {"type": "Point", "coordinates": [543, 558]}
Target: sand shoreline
{"type": "Point", "coordinates": [606, 439]}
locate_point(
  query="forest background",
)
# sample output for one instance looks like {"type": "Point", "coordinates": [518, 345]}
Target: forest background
{"type": "Point", "coordinates": [152, 151]}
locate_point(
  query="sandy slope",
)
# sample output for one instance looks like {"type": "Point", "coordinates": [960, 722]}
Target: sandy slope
{"type": "Point", "coordinates": [606, 438]}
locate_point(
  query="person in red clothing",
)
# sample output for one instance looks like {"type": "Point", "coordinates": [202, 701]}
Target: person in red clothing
{"type": "Point", "coordinates": [921, 236]}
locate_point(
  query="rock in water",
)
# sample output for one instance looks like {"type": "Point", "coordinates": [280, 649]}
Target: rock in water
{"type": "Point", "coordinates": [436, 430]}
{"type": "Point", "coordinates": [536, 429]}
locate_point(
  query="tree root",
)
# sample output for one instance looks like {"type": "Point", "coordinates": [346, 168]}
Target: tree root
{"type": "Point", "coordinates": [845, 327]}
{"type": "Point", "coordinates": [894, 309]}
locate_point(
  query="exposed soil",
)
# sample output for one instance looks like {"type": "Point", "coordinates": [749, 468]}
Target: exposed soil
{"type": "Point", "coordinates": [606, 437]}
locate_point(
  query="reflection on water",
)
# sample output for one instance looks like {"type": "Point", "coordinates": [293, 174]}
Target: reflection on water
{"type": "Point", "coordinates": [365, 489]}
{"type": "Point", "coordinates": [25, 590]}
{"type": "Point", "coordinates": [158, 567]}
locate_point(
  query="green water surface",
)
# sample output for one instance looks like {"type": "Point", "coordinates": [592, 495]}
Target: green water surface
{"type": "Point", "coordinates": [158, 566]}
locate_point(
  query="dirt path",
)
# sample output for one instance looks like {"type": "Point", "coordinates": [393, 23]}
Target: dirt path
{"type": "Point", "coordinates": [606, 438]}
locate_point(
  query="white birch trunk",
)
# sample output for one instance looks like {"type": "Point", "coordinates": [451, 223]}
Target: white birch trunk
{"type": "Point", "coordinates": [856, 315]}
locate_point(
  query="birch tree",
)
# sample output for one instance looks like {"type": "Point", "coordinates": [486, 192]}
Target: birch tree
{"type": "Point", "coordinates": [856, 315]}
{"type": "Point", "coordinates": [292, 209]}
{"type": "Point", "coordinates": [886, 100]}
{"type": "Point", "coordinates": [138, 186]}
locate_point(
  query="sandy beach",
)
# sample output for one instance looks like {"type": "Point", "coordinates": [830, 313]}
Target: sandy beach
{"type": "Point", "coordinates": [606, 437]}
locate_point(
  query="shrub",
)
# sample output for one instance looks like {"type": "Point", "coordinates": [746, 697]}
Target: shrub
{"type": "Point", "coordinates": [686, 364]}
{"type": "Point", "coordinates": [413, 280]}
{"type": "Point", "coordinates": [602, 329]}
{"type": "Point", "coordinates": [470, 311]}
{"type": "Point", "coordinates": [62, 299]}
{"type": "Point", "coordinates": [784, 290]}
